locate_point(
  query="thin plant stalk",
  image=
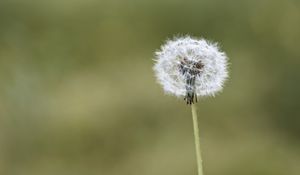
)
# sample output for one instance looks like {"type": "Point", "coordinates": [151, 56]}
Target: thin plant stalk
{"type": "Point", "coordinates": [197, 139]}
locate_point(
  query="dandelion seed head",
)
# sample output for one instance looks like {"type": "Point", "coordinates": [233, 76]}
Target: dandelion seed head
{"type": "Point", "coordinates": [191, 67]}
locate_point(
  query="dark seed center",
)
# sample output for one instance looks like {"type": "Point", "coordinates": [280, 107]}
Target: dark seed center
{"type": "Point", "coordinates": [190, 69]}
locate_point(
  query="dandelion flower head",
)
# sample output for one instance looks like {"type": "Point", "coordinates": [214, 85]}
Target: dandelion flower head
{"type": "Point", "coordinates": [189, 67]}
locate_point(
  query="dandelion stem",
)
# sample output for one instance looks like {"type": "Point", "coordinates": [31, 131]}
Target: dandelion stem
{"type": "Point", "coordinates": [197, 139]}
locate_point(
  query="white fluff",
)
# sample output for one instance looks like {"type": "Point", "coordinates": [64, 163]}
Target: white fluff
{"type": "Point", "coordinates": [169, 65]}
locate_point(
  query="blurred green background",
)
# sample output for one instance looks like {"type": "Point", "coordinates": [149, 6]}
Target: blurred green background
{"type": "Point", "coordinates": [78, 94]}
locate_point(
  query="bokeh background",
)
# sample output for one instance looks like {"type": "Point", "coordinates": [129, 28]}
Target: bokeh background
{"type": "Point", "coordinates": [78, 95]}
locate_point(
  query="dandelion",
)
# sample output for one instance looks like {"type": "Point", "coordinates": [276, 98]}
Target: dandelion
{"type": "Point", "coordinates": [190, 68]}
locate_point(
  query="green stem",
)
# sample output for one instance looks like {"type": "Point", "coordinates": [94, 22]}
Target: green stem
{"type": "Point", "coordinates": [197, 139]}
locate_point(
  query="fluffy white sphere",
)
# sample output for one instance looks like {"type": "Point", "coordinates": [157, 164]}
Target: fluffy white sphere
{"type": "Point", "coordinates": [187, 65]}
